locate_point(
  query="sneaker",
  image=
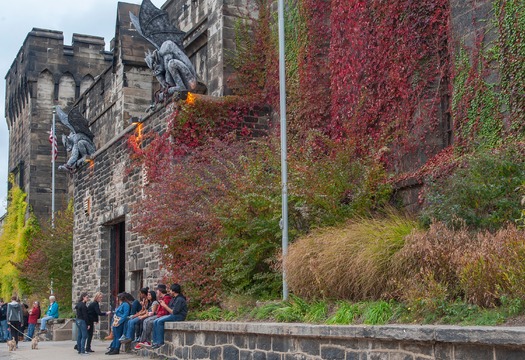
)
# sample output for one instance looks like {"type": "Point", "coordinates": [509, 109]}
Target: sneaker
{"type": "Point", "coordinates": [125, 340]}
{"type": "Point", "coordinates": [122, 338]}
{"type": "Point", "coordinates": [145, 343]}
{"type": "Point", "coordinates": [138, 346]}
{"type": "Point", "coordinates": [156, 346]}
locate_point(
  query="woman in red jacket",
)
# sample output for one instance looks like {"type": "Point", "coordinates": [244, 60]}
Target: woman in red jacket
{"type": "Point", "coordinates": [34, 315]}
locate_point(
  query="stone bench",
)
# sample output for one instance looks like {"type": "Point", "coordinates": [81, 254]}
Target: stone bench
{"type": "Point", "coordinates": [57, 330]}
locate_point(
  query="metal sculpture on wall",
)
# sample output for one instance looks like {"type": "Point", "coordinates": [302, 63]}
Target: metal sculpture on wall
{"type": "Point", "coordinates": [79, 142]}
{"type": "Point", "coordinates": [168, 62]}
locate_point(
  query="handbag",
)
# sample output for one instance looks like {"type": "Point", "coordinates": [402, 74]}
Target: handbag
{"type": "Point", "coordinates": [116, 320]}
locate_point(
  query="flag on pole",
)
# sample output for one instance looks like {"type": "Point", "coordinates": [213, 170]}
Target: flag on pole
{"type": "Point", "coordinates": [53, 142]}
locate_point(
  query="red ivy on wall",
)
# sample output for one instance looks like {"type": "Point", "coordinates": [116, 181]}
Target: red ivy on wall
{"type": "Point", "coordinates": [386, 57]}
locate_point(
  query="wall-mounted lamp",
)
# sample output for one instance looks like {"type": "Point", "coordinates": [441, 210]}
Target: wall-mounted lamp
{"type": "Point", "coordinates": [135, 120]}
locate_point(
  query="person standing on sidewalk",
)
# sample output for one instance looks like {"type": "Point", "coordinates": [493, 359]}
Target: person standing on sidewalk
{"type": "Point", "coordinates": [15, 318]}
{"type": "Point", "coordinates": [82, 323]}
{"type": "Point", "coordinates": [4, 335]}
{"type": "Point", "coordinates": [34, 315]}
{"type": "Point", "coordinates": [94, 312]}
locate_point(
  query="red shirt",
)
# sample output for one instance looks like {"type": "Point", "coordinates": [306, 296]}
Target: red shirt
{"type": "Point", "coordinates": [34, 316]}
{"type": "Point", "coordinates": [161, 311]}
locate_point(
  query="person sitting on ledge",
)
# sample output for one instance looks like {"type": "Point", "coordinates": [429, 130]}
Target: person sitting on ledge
{"type": "Point", "coordinates": [177, 310]}
{"type": "Point", "coordinates": [51, 313]}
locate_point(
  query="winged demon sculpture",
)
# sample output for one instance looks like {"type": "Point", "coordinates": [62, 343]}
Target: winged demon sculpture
{"type": "Point", "coordinates": [168, 62]}
{"type": "Point", "coordinates": [79, 142]}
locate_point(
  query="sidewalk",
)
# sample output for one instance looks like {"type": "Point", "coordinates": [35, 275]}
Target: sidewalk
{"type": "Point", "coordinates": [60, 350]}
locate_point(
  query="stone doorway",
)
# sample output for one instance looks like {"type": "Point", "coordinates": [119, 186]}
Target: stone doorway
{"type": "Point", "coordinates": [117, 282]}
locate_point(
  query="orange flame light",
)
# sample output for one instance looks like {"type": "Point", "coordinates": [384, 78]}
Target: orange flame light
{"type": "Point", "coordinates": [139, 132]}
{"type": "Point", "coordinates": [190, 100]}
{"type": "Point", "coordinates": [91, 163]}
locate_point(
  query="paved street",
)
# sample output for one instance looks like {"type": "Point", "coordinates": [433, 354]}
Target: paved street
{"type": "Point", "coordinates": [59, 350]}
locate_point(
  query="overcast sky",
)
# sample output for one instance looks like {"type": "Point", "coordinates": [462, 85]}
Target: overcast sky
{"type": "Point", "coordinates": [17, 18]}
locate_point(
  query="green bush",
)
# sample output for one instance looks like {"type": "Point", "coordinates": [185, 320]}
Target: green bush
{"type": "Point", "coordinates": [481, 193]}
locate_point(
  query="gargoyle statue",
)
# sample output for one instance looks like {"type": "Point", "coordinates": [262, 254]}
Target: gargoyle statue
{"type": "Point", "coordinates": [168, 62]}
{"type": "Point", "coordinates": [79, 142]}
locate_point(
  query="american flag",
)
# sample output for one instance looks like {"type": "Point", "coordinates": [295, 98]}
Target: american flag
{"type": "Point", "coordinates": [53, 142]}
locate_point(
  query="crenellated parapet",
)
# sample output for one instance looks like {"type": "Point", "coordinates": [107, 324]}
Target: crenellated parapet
{"type": "Point", "coordinates": [69, 69]}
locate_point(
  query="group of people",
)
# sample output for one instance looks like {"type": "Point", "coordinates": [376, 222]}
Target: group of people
{"type": "Point", "coordinates": [86, 318]}
{"type": "Point", "coordinates": [16, 317]}
{"type": "Point", "coordinates": [135, 320]}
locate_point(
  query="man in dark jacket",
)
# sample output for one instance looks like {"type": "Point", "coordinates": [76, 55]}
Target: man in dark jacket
{"type": "Point", "coordinates": [4, 335]}
{"type": "Point", "coordinates": [177, 310]}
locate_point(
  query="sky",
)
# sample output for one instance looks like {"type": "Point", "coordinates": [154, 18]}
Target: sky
{"type": "Point", "coordinates": [18, 18]}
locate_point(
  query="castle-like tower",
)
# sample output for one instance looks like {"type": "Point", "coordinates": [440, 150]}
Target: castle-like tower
{"type": "Point", "coordinates": [45, 73]}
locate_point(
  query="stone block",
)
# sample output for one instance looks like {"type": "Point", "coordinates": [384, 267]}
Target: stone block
{"type": "Point", "coordinates": [230, 352]}
{"type": "Point", "coordinates": [333, 353]}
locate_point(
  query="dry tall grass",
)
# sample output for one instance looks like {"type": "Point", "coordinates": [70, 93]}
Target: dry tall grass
{"type": "Point", "coordinates": [351, 262]}
{"type": "Point", "coordinates": [391, 258]}
{"type": "Point", "coordinates": [445, 264]}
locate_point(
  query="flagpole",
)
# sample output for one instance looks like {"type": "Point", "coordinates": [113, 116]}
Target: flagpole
{"type": "Point", "coordinates": [53, 170]}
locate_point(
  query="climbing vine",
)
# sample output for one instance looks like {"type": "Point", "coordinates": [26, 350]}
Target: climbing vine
{"type": "Point", "coordinates": [475, 103]}
{"type": "Point", "coordinates": [510, 23]}
{"type": "Point", "coordinates": [19, 226]}
{"type": "Point", "coordinates": [388, 59]}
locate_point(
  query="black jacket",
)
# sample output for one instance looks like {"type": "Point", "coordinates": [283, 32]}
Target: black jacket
{"type": "Point", "coordinates": [179, 306]}
{"type": "Point", "coordinates": [94, 312]}
{"type": "Point", "coordinates": [3, 312]}
{"type": "Point", "coordinates": [82, 311]}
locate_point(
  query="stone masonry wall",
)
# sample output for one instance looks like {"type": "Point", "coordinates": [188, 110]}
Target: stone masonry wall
{"type": "Point", "coordinates": [106, 190]}
{"type": "Point", "coordinates": [45, 72]}
{"type": "Point", "coordinates": [278, 341]}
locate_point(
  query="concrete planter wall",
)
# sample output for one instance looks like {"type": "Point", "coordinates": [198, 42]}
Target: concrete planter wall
{"type": "Point", "coordinates": [278, 341]}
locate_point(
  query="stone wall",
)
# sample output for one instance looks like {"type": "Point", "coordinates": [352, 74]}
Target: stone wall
{"type": "Point", "coordinates": [278, 341]}
{"type": "Point", "coordinates": [106, 190]}
{"type": "Point", "coordinates": [46, 72]}
{"type": "Point", "coordinates": [470, 29]}
{"type": "Point", "coordinates": [210, 35]}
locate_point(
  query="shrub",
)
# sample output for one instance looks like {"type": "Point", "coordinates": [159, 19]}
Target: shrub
{"type": "Point", "coordinates": [50, 257]}
{"type": "Point", "coordinates": [347, 262]}
{"type": "Point", "coordinates": [479, 194]}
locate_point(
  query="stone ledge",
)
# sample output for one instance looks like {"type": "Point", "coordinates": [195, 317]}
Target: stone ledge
{"type": "Point", "coordinates": [486, 335]}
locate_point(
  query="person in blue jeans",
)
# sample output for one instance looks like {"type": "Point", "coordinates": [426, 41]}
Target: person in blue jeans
{"type": "Point", "coordinates": [51, 313]}
{"type": "Point", "coordinates": [82, 323]}
{"type": "Point", "coordinates": [177, 309]}
{"type": "Point", "coordinates": [4, 335]}
{"type": "Point", "coordinates": [135, 320]}
{"type": "Point", "coordinates": [119, 320]}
